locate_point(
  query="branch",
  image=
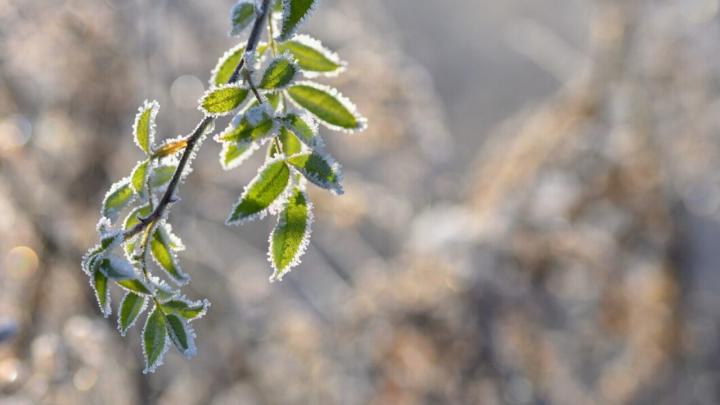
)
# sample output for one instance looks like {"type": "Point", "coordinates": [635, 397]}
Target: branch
{"type": "Point", "coordinates": [193, 138]}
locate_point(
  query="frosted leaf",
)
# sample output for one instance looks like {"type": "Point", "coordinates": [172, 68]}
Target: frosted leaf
{"type": "Point", "coordinates": [162, 252]}
{"type": "Point", "coordinates": [290, 143]}
{"type": "Point", "coordinates": [189, 310]}
{"type": "Point", "coordinates": [131, 221]}
{"type": "Point", "coordinates": [280, 73]}
{"type": "Point", "coordinates": [241, 16]}
{"type": "Point", "coordinates": [291, 235]}
{"type": "Point", "coordinates": [162, 175]}
{"type": "Point", "coordinates": [131, 306]}
{"type": "Point", "coordinates": [320, 169]}
{"type": "Point", "coordinates": [117, 269]}
{"type": "Point", "coordinates": [294, 14]}
{"type": "Point", "coordinates": [181, 334]}
{"type": "Point", "coordinates": [222, 100]}
{"type": "Point", "coordinates": [138, 176]}
{"type": "Point", "coordinates": [144, 126]}
{"type": "Point", "coordinates": [101, 287]}
{"type": "Point", "coordinates": [304, 127]}
{"type": "Point", "coordinates": [154, 340]}
{"type": "Point", "coordinates": [330, 107]}
{"type": "Point", "coordinates": [176, 244]}
{"type": "Point", "coordinates": [313, 57]}
{"type": "Point", "coordinates": [119, 195]}
{"type": "Point", "coordinates": [262, 194]}
{"type": "Point", "coordinates": [232, 155]}
{"type": "Point", "coordinates": [135, 286]}
{"type": "Point", "coordinates": [226, 65]}
{"type": "Point", "coordinates": [255, 125]}
{"type": "Point", "coordinates": [163, 292]}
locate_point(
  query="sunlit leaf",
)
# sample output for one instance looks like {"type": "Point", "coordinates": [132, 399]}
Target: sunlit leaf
{"type": "Point", "coordinates": [290, 237]}
{"type": "Point", "coordinates": [155, 340]}
{"type": "Point", "coordinates": [233, 155]}
{"type": "Point", "coordinates": [294, 13]}
{"type": "Point", "coordinates": [253, 125]}
{"type": "Point", "coordinates": [138, 176]}
{"type": "Point", "coordinates": [290, 143]}
{"type": "Point", "coordinates": [187, 309]}
{"type": "Point", "coordinates": [319, 169]}
{"type": "Point", "coordinates": [304, 128]}
{"type": "Point", "coordinates": [312, 56]}
{"type": "Point", "coordinates": [131, 306]}
{"type": "Point", "coordinates": [226, 65]}
{"type": "Point", "coordinates": [144, 126]}
{"type": "Point", "coordinates": [279, 74]}
{"type": "Point", "coordinates": [223, 99]}
{"type": "Point", "coordinates": [260, 195]}
{"type": "Point", "coordinates": [119, 195]}
{"type": "Point", "coordinates": [135, 286]}
{"type": "Point", "coordinates": [160, 247]}
{"type": "Point", "coordinates": [101, 288]}
{"type": "Point", "coordinates": [327, 105]}
{"type": "Point", "coordinates": [162, 175]}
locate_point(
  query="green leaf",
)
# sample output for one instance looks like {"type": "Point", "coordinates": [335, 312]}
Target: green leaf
{"type": "Point", "coordinates": [327, 105]}
{"type": "Point", "coordinates": [259, 196]}
{"type": "Point", "coordinates": [304, 128]}
{"type": "Point", "coordinates": [117, 269]}
{"type": "Point", "coordinates": [290, 144]}
{"type": "Point", "coordinates": [135, 286]}
{"type": "Point", "coordinates": [138, 176]}
{"type": "Point", "coordinates": [187, 309]}
{"type": "Point", "coordinates": [290, 237]}
{"type": "Point", "coordinates": [144, 126]}
{"type": "Point", "coordinates": [223, 99]}
{"type": "Point", "coordinates": [131, 307]}
{"type": "Point", "coordinates": [294, 14]}
{"type": "Point", "coordinates": [131, 221]}
{"type": "Point", "coordinates": [319, 169]}
{"type": "Point", "coordinates": [312, 56]}
{"type": "Point", "coordinates": [181, 334]}
{"type": "Point", "coordinates": [251, 126]}
{"type": "Point", "coordinates": [160, 247]}
{"type": "Point", "coordinates": [279, 74]}
{"type": "Point", "coordinates": [226, 65]}
{"type": "Point", "coordinates": [155, 340]}
{"type": "Point", "coordinates": [233, 155]}
{"type": "Point", "coordinates": [101, 287]}
{"type": "Point", "coordinates": [119, 195]}
{"type": "Point", "coordinates": [162, 175]}
{"type": "Point", "coordinates": [241, 16]}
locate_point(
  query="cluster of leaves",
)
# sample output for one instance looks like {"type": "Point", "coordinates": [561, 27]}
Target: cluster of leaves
{"type": "Point", "coordinates": [266, 86]}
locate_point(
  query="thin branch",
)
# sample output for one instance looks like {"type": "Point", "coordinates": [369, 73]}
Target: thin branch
{"type": "Point", "coordinates": [196, 135]}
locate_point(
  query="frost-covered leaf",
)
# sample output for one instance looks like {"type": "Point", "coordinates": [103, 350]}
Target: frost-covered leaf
{"type": "Point", "coordinates": [119, 195]}
{"type": "Point", "coordinates": [155, 340]}
{"type": "Point", "coordinates": [312, 56]}
{"type": "Point", "coordinates": [262, 192]}
{"type": "Point", "coordinates": [319, 169]}
{"type": "Point", "coordinates": [144, 126]}
{"type": "Point", "coordinates": [226, 65]}
{"type": "Point", "coordinates": [138, 176]}
{"type": "Point", "coordinates": [160, 247]}
{"type": "Point", "coordinates": [303, 126]}
{"type": "Point", "coordinates": [290, 237]}
{"type": "Point", "coordinates": [294, 14]}
{"type": "Point", "coordinates": [101, 287]}
{"type": "Point", "coordinates": [223, 99]}
{"type": "Point", "coordinates": [181, 334]}
{"type": "Point", "coordinates": [251, 126]}
{"type": "Point", "coordinates": [116, 268]}
{"type": "Point", "coordinates": [241, 16]}
{"type": "Point", "coordinates": [279, 74]}
{"type": "Point", "coordinates": [131, 221]}
{"type": "Point", "coordinates": [162, 175]}
{"type": "Point", "coordinates": [290, 144]}
{"type": "Point", "coordinates": [327, 105]}
{"type": "Point", "coordinates": [135, 286]}
{"type": "Point", "coordinates": [233, 155]}
{"type": "Point", "coordinates": [185, 308]}
{"type": "Point", "coordinates": [131, 307]}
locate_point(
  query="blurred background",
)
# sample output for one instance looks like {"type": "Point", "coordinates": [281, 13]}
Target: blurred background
{"type": "Point", "coordinates": [533, 216]}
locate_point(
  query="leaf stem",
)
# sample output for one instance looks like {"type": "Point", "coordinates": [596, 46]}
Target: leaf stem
{"type": "Point", "coordinates": [197, 134]}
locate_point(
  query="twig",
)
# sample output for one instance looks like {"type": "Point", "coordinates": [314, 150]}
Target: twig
{"type": "Point", "coordinates": [196, 135]}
